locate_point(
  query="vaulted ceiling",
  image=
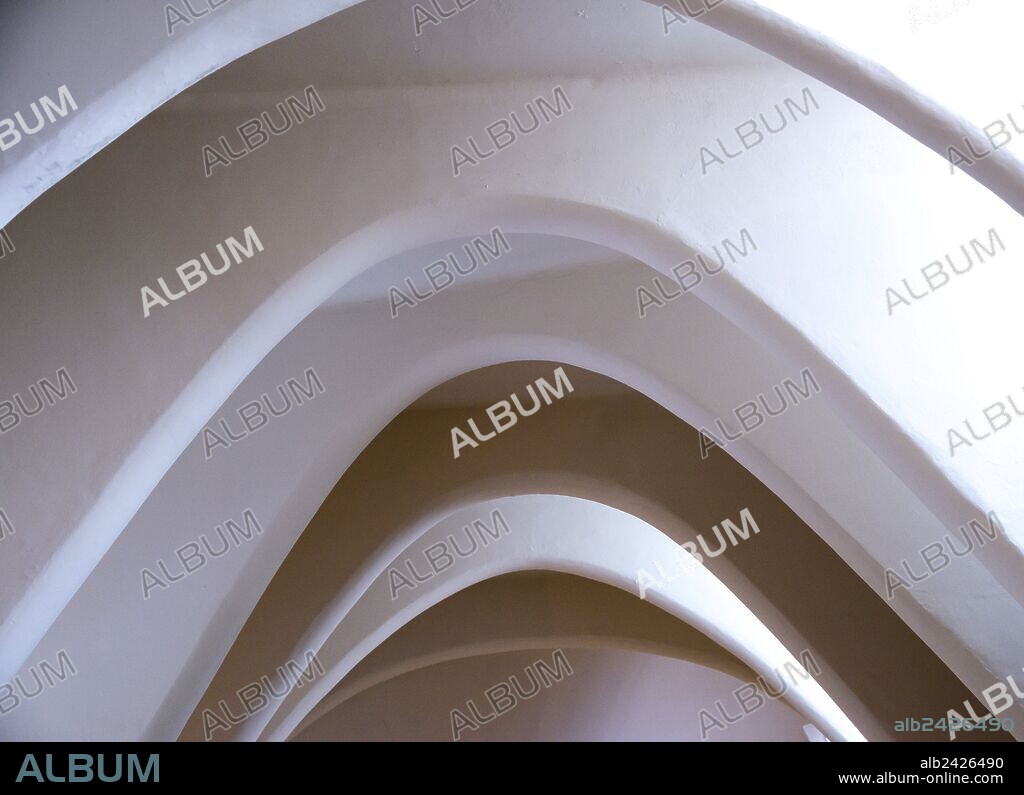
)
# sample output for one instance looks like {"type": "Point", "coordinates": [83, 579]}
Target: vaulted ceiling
{"type": "Point", "coordinates": [263, 263]}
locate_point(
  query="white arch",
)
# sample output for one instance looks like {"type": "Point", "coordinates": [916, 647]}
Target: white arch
{"type": "Point", "coordinates": [667, 382]}
{"type": "Point", "coordinates": [296, 299]}
{"type": "Point", "coordinates": [559, 612]}
{"type": "Point", "coordinates": [573, 536]}
{"type": "Point", "coordinates": [118, 99]}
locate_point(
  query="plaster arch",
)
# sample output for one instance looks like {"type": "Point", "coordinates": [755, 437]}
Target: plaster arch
{"type": "Point", "coordinates": [538, 611]}
{"type": "Point", "coordinates": [151, 459]}
{"type": "Point", "coordinates": [629, 456]}
{"type": "Point", "coordinates": [119, 98]}
{"type": "Point", "coordinates": [244, 583]}
{"type": "Point", "coordinates": [699, 599]}
{"type": "Point", "coordinates": [534, 610]}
